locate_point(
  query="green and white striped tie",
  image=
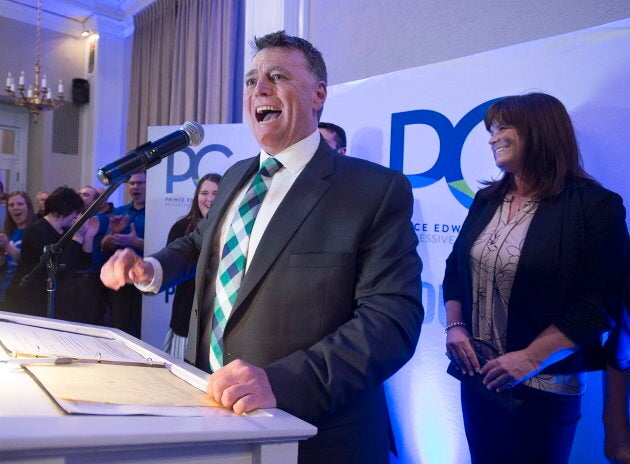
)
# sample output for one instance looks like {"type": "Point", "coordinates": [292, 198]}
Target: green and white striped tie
{"type": "Point", "coordinates": [234, 256]}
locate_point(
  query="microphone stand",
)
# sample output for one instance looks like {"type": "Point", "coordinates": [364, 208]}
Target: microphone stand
{"type": "Point", "coordinates": [51, 252]}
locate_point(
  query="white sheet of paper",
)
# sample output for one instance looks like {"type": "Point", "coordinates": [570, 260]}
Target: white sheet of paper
{"type": "Point", "coordinates": [26, 340]}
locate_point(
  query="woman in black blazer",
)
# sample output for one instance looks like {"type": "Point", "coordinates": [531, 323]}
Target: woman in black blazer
{"type": "Point", "coordinates": [176, 338]}
{"type": "Point", "coordinates": [537, 271]}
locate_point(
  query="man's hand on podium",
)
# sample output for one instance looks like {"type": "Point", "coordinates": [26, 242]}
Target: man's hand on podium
{"type": "Point", "coordinates": [241, 387]}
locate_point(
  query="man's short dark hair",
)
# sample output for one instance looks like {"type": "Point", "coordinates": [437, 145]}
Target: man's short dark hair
{"type": "Point", "coordinates": [313, 56]}
{"type": "Point", "coordinates": [340, 134]}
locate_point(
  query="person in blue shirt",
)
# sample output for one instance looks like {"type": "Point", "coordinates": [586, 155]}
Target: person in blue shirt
{"type": "Point", "coordinates": [126, 230]}
{"type": "Point", "coordinates": [20, 215]}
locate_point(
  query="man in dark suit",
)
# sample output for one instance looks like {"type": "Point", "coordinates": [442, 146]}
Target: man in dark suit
{"type": "Point", "coordinates": [329, 304]}
{"type": "Point", "coordinates": [334, 135]}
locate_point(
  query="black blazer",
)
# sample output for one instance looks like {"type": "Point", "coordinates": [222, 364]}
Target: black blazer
{"type": "Point", "coordinates": [330, 306]}
{"type": "Point", "coordinates": [571, 271]}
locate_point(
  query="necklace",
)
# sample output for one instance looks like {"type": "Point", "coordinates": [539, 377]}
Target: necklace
{"type": "Point", "coordinates": [519, 205]}
{"type": "Point", "coordinates": [519, 202]}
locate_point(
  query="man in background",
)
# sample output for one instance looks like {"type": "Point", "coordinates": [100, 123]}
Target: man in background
{"type": "Point", "coordinates": [41, 203]}
{"type": "Point", "coordinates": [314, 305]}
{"type": "Point", "coordinates": [126, 230]}
{"type": "Point", "coordinates": [106, 208]}
{"type": "Point", "coordinates": [334, 135]}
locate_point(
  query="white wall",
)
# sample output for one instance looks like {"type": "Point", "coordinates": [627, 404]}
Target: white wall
{"type": "Point", "coordinates": [361, 38]}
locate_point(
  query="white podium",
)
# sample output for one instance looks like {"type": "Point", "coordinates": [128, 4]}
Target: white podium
{"type": "Point", "coordinates": [33, 429]}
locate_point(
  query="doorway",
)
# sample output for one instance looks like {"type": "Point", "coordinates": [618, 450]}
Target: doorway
{"type": "Point", "coordinates": [13, 147]}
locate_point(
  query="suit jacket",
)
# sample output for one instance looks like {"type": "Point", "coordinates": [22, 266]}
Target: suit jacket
{"type": "Point", "coordinates": [330, 305]}
{"type": "Point", "coordinates": [571, 270]}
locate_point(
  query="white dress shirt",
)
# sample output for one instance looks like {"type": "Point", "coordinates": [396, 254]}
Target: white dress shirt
{"type": "Point", "coordinates": [293, 160]}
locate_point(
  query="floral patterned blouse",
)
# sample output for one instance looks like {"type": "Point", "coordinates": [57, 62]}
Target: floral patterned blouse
{"type": "Point", "coordinates": [494, 260]}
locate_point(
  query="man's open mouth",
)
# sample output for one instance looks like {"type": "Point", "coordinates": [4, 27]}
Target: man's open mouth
{"type": "Point", "coordinates": [267, 113]}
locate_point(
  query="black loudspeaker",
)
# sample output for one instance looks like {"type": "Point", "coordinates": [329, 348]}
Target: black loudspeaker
{"type": "Point", "coordinates": [80, 91]}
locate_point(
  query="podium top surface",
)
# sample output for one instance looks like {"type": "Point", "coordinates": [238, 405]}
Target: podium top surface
{"type": "Point", "coordinates": [31, 420]}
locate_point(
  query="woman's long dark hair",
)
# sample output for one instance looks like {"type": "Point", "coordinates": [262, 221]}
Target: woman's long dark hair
{"type": "Point", "coordinates": [194, 215]}
{"type": "Point", "coordinates": [551, 150]}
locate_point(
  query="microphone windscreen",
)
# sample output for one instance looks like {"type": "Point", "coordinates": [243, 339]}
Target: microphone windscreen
{"type": "Point", "coordinates": [195, 132]}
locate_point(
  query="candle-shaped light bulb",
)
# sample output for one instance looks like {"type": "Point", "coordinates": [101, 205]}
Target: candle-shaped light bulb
{"type": "Point", "coordinates": [44, 81]}
{"type": "Point", "coordinates": [60, 87]}
{"type": "Point", "coordinates": [29, 92]}
{"type": "Point", "coordinates": [9, 80]}
{"type": "Point", "coordinates": [21, 80]}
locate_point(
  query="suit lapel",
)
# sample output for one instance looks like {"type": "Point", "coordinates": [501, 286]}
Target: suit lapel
{"type": "Point", "coordinates": [298, 203]}
{"type": "Point", "coordinates": [542, 242]}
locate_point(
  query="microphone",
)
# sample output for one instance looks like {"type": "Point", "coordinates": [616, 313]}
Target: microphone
{"type": "Point", "coordinates": [151, 153]}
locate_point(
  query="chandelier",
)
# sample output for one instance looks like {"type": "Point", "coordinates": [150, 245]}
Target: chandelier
{"type": "Point", "coordinates": [38, 97]}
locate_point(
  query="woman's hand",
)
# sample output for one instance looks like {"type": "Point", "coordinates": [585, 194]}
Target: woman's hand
{"type": "Point", "coordinates": [459, 349]}
{"type": "Point", "coordinates": [7, 247]}
{"type": "Point", "coordinates": [549, 347]}
{"type": "Point", "coordinates": [4, 241]}
{"type": "Point", "coordinates": [85, 234]}
{"type": "Point", "coordinates": [506, 371]}
{"type": "Point", "coordinates": [91, 227]}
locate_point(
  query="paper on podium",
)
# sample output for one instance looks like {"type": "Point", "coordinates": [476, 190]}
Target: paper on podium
{"type": "Point", "coordinates": [104, 375]}
{"type": "Point", "coordinates": [26, 340]}
{"type": "Point", "coordinates": [94, 388]}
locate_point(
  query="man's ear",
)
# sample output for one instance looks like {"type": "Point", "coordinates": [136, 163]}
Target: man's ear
{"type": "Point", "coordinates": [320, 95]}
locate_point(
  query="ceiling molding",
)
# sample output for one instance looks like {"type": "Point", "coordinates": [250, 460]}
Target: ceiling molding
{"type": "Point", "coordinates": [73, 16]}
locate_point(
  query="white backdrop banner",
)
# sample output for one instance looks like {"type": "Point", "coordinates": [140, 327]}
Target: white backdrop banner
{"type": "Point", "coordinates": [428, 123]}
{"type": "Point", "coordinates": [170, 188]}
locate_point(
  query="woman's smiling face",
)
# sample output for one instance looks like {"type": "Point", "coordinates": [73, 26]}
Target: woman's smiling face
{"type": "Point", "coordinates": [508, 147]}
{"type": "Point", "coordinates": [18, 210]}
